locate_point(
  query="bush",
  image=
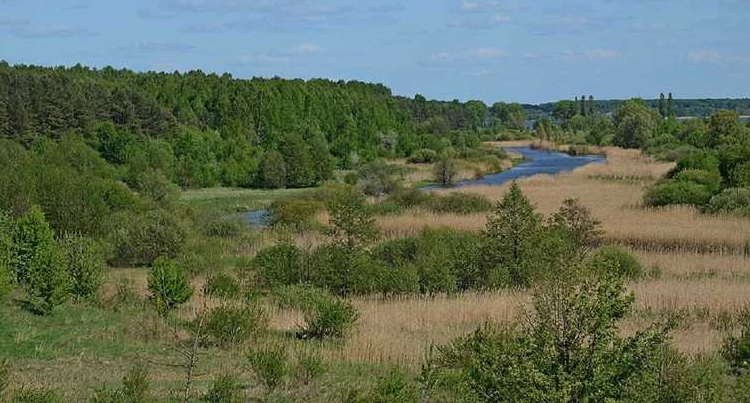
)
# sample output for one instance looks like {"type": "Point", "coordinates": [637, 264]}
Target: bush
{"type": "Point", "coordinates": [736, 348]}
{"type": "Point", "coordinates": [6, 227]}
{"type": "Point", "coordinates": [394, 387]}
{"type": "Point", "coordinates": [225, 388]}
{"type": "Point", "coordinates": [4, 376]}
{"type": "Point", "coordinates": [269, 365]}
{"type": "Point", "coordinates": [223, 228]}
{"type": "Point", "coordinates": [310, 366]}
{"type": "Point", "coordinates": [36, 395]}
{"type": "Point", "coordinates": [222, 285]}
{"type": "Point", "coordinates": [608, 258]}
{"type": "Point", "coordinates": [677, 192]}
{"type": "Point", "coordinates": [134, 388]}
{"type": "Point", "coordinates": [329, 318]}
{"type": "Point", "coordinates": [408, 197]}
{"type": "Point", "coordinates": [294, 212]}
{"type": "Point", "coordinates": [298, 297]}
{"type": "Point", "coordinates": [377, 179]}
{"type": "Point", "coordinates": [226, 325]}
{"type": "Point", "coordinates": [700, 160]}
{"type": "Point", "coordinates": [446, 170]}
{"type": "Point", "coordinates": [169, 285]}
{"type": "Point", "coordinates": [141, 238]}
{"type": "Point", "coordinates": [279, 265]}
{"type": "Point", "coordinates": [460, 203]}
{"type": "Point", "coordinates": [423, 156]}
{"type": "Point", "coordinates": [85, 262]}
{"type": "Point", "coordinates": [734, 200]}
{"type": "Point", "coordinates": [741, 176]}
{"type": "Point", "coordinates": [710, 179]}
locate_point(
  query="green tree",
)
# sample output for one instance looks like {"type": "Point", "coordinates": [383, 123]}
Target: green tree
{"type": "Point", "coordinates": [352, 222]}
{"type": "Point", "coordinates": [635, 123]}
{"type": "Point", "coordinates": [446, 170]}
{"type": "Point", "coordinates": [724, 127]}
{"type": "Point", "coordinates": [169, 285]}
{"type": "Point", "coordinates": [273, 170]}
{"type": "Point", "coordinates": [662, 105]}
{"type": "Point", "coordinates": [6, 242]}
{"type": "Point", "coordinates": [515, 230]}
{"type": "Point", "coordinates": [85, 262]}
{"type": "Point", "coordinates": [322, 160]}
{"type": "Point", "coordinates": [670, 105]}
{"type": "Point", "coordinates": [300, 171]}
{"type": "Point", "coordinates": [576, 222]}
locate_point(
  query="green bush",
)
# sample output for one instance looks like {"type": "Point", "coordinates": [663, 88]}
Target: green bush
{"type": "Point", "coordinates": [378, 179]}
{"type": "Point", "coordinates": [169, 285]}
{"type": "Point", "coordinates": [6, 240]}
{"type": "Point", "coordinates": [154, 185]}
{"type": "Point", "coordinates": [4, 376]}
{"type": "Point", "coordinates": [677, 192]}
{"type": "Point", "coordinates": [85, 262]}
{"type": "Point", "coordinates": [329, 318]}
{"type": "Point", "coordinates": [223, 228]}
{"type": "Point", "coordinates": [699, 159]}
{"type": "Point", "coordinates": [423, 156]}
{"type": "Point", "coordinates": [460, 203]}
{"type": "Point", "coordinates": [139, 239]}
{"type": "Point", "coordinates": [226, 325]}
{"type": "Point", "coordinates": [222, 285]}
{"type": "Point", "coordinates": [36, 395]}
{"type": "Point", "coordinates": [736, 348]}
{"type": "Point", "coordinates": [395, 387]}
{"type": "Point", "coordinates": [734, 200]}
{"type": "Point", "coordinates": [225, 388]}
{"type": "Point", "coordinates": [408, 197]}
{"type": "Point", "coordinates": [710, 179]}
{"type": "Point", "coordinates": [741, 176]}
{"type": "Point", "coordinates": [614, 260]}
{"type": "Point", "coordinates": [279, 265]}
{"type": "Point", "coordinates": [298, 297]}
{"type": "Point", "coordinates": [269, 365]}
{"type": "Point", "coordinates": [294, 212]}
{"type": "Point", "coordinates": [134, 388]}
{"type": "Point", "coordinates": [310, 365]}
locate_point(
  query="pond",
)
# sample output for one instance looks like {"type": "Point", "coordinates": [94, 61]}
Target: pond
{"type": "Point", "coordinates": [537, 162]}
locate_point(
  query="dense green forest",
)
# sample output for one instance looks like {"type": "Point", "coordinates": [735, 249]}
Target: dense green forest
{"type": "Point", "coordinates": [681, 107]}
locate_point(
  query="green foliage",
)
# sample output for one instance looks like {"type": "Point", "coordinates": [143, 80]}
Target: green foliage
{"type": "Point", "coordinates": [225, 388]}
{"type": "Point", "coordinates": [736, 348]}
{"type": "Point", "coordinates": [6, 241]}
{"type": "Point", "coordinates": [280, 265]}
{"type": "Point", "coordinates": [378, 179]}
{"type": "Point", "coordinates": [5, 373]}
{"type": "Point", "coordinates": [85, 264]}
{"type": "Point", "coordinates": [154, 185]}
{"type": "Point", "coordinates": [273, 170]}
{"type": "Point", "coordinates": [446, 170]}
{"type": "Point", "coordinates": [394, 387]}
{"type": "Point", "coordinates": [635, 124]}
{"type": "Point", "coordinates": [169, 285]}
{"type": "Point", "coordinates": [269, 363]}
{"type": "Point", "coordinates": [735, 201]}
{"type": "Point", "coordinates": [294, 212]}
{"type": "Point", "coordinates": [134, 389]}
{"type": "Point", "coordinates": [36, 395]}
{"type": "Point", "coordinates": [515, 230]}
{"type": "Point", "coordinates": [310, 365]}
{"type": "Point", "coordinates": [576, 222]}
{"type": "Point", "coordinates": [460, 203]}
{"type": "Point", "coordinates": [222, 285]}
{"type": "Point", "coordinates": [741, 176]}
{"type": "Point", "coordinates": [352, 224]}
{"type": "Point", "coordinates": [613, 260]}
{"type": "Point", "coordinates": [329, 318]}
{"type": "Point", "coordinates": [227, 325]}
{"type": "Point", "coordinates": [724, 127]}
{"type": "Point", "coordinates": [300, 170]}
{"type": "Point", "coordinates": [711, 180]}
{"type": "Point", "coordinates": [141, 238]}
{"type": "Point", "coordinates": [676, 192]}
{"type": "Point", "coordinates": [423, 156]}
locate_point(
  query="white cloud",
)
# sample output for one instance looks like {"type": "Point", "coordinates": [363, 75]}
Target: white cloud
{"type": "Point", "coordinates": [594, 54]}
{"type": "Point", "coordinates": [710, 56]}
{"type": "Point", "coordinates": [484, 53]}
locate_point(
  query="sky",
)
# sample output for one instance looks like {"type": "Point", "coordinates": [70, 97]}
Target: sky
{"type": "Point", "coordinates": [527, 51]}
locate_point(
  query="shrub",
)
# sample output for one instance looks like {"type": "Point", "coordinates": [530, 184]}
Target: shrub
{"type": "Point", "coordinates": [225, 388]}
{"type": "Point", "coordinates": [423, 156]}
{"type": "Point", "coordinates": [140, 239]}
{"type": "Point", "coordinates": [273, 170]}
{"type": "Point", "coordinates": [700, 159]}
{"type": "Point", "coordinates": [310, 365]}
{"type": "Point", "coordinates": [741, 176]}
{"type": "Point", "coordinates": [298, 297]}
{"type": "Point", "coordinates": [329, 318]}
{"type": "Point", "coordinates": [223, 228]}
{"type": "Point", "coordinates": [227, 325]}
{"type": "Point", "coordinates": [351, 178]}
{"type": "Point", "coordinates": [269, 365]}
{"type": "Point", "coordinates": [169, 285]}
{"type": "Point", "coordinates": [4, 376]}
{"type": "Point", "coordinates": [576, 222]}
{"type": "Point", "coordinates": [460, 203]}
{"type": "Point", "coordinates": [446, 171]}
{"type": "Point", "coordinates": [734, 200]}
{"type": "Point", "coordinates": [154, 185]}
{"type": "Point", "coordinates": [85, 262]}
{"type": "Point", "coordinates": [676, 192]}
{"type": "Point", "coordinates": [736, 348]}
{"type": "Point", "coordinates": [36, 395]}
{"type": "Point", "coordinates": [395, 387]}
{"type": "Point", "coordinates": [294, 212]}
{"type": "Point", "coordinates": [134, 388]}
{"type": "Point", "coordinates": [352, 223]}
{"type": "Point", "coordinates": [279, 265]}
{"type": "Point", "coordinates": [710, 179]}
{"type": "Point", "coordinates": [608, 258]}
{"type": "Point", "coordinates": [377, 179]}
{"type": "Point", "coordinates": [408, 197]}
{"type": "Point", "coordinates": [222, 285]}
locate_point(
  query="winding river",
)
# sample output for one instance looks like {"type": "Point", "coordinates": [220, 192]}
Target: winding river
{"type": "Point", "coordinates": [537, 162]}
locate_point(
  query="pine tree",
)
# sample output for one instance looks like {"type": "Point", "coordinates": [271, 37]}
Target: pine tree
{"type": "Point", "coordinates": [670, 105]}
{"type": "Point", "coordinates": [591, 104]}
{"type": "Point", "coordinates": [583, 105]}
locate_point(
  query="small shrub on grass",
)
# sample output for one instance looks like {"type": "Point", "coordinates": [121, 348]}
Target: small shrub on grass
{"type": "Point", "coordinates": [134, 388]}
{"type": "Point", "coordinates": [269, 365]}
{"type": "Point", "coordinates": [226, 325]}
{"type": "Point", "coordinates": [279, 265]}
{"type": "Point", "coordinates": [460, 203]}
{"type": "Point", "coordinates": [330, 318]}
{"type": "Point", "coordinates": [124, 296]}
{"type": "Point", "coordinates": [169, 285]}
{"type": "Point", "coordinates": [225, 388]}
{"type": "Point", "coordinates": [617, 259]}
{"type": "Point", "coordinates": [222, 285]}
{"type": "Point", "coordinates": [710, 179]}
{"type": "Point", "coordinates": [139, 239]}
{"type": "Point", "coordinates": [223, 228]}
{"type": "Point", "coordinates": [734, 201]}
{"type": "Point", "coordinates": [677, 192]}
{"type": "Point", "coordinates": [408, 197]}
{"type": "Point", "coordinates": [36, 395]}
{"type": "Point", "coordinates": [395, 387]}
{"type": "Point", "coordinates": [85, 262]}
{"type": "Point", "coordinates": [294, 212]}
{"type": "Point", "coordinates": [310, 366]}
{"type": "Point", "coordinates": [298, 297]}
{"type": "Point", "coordinates": [736, 348]}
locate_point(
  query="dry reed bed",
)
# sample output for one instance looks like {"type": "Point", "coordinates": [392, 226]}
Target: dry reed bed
{"type": "Point", "coordinates": [691, 265]}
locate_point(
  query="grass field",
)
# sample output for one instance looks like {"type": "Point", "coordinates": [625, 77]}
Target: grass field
{"type": "Point", "coordinates": [696, 263]}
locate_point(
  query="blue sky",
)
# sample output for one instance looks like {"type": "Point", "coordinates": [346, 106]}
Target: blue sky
{"type": "Point", "coordinates": [516, 50]}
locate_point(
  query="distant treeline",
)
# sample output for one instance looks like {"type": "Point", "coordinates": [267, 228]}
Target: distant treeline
{"type": "Point", "coordinates": [682, 107]}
